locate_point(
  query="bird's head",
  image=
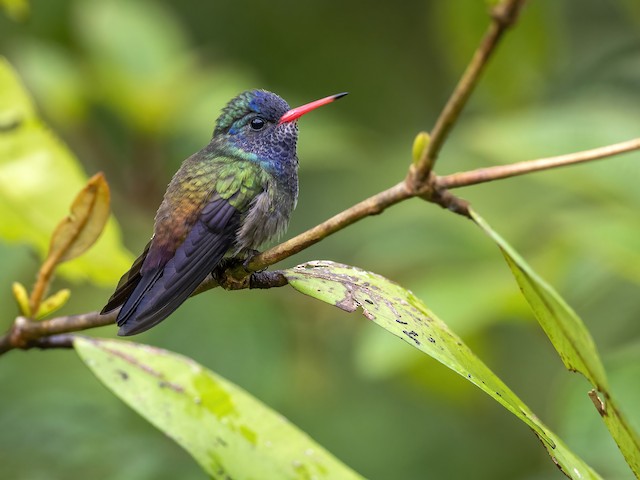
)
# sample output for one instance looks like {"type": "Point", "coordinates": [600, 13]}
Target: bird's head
{"type": "Point", "coordinates": [261, 123]}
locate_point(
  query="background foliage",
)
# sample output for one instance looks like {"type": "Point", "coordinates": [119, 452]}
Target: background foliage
{"type": "Point", "coordinates": [134, 87]}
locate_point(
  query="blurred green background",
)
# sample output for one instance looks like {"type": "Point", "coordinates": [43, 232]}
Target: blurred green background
{"type": "Point", "coordinates": [133, 87]}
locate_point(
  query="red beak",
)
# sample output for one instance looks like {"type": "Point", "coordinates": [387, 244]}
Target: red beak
{"type": "Point", "coordinates": [297, 112]}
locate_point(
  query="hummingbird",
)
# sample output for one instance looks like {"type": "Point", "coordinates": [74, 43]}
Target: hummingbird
{"type": "Point", "coordinates": [225, 202]}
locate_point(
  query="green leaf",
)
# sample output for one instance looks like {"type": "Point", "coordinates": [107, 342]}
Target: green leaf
{"type": "Point", "coordinates": [398, 311]}
{"type": "Point", "coordinates": [39, 178]}
{"type": "Point", "coordinates": [572, 341]}
{"type": "Point", "coordinates": [228, 432]}
{"type": "Point", "coordinates": [562, 325]}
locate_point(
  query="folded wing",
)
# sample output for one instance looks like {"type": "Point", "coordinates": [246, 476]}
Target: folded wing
{"type": "Point", "coordinates": [159, 282]}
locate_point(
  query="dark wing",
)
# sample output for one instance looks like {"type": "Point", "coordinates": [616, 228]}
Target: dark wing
{"type": "Point", "coordinates": [164, 286]}
{"type": "Point", "coordinates": [127, 283]}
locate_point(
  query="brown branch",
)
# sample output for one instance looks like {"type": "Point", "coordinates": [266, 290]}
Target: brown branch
{"type": "Point", "coordinates": [420, 182]}
{"type": "Point", "coordinates": [489, 174]}
{"type": "Point", "coordinates": [503, 16]}
{"type": "Point", "coordinates": [27, 333]}
{"type": "Point", "coordinates": [371, 206]}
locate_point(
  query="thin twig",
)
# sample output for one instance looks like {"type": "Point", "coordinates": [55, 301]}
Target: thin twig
{"type": "Point", "coordinates": [503, 16]}
{"type": "Point", "coordinates": [418, 183]}
{"type": "Point", "coordinates": [371, 206]}
{"type": "Point", "coordinates": [24, 332]}
{"type": "Point", "coordinates": [482, 175]}
{"type": "Point", "coordinates": [43, 280]}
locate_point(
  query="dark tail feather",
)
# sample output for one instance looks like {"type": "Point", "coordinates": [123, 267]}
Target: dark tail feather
{"type": "Point", "coordinates": [163, 289]}
{"type": "Point", "coordinates": [127, 283]}
{"type": "Point", "coordinates": [151, 305]}
{"type": "Point", "coordinates": [137, 301]}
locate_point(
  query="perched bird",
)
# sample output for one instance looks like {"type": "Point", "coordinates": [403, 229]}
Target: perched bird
{"type": "Point", "coordinates": [225, 201]}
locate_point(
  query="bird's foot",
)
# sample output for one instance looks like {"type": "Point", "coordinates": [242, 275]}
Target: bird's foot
{"type": "Point", "coordinates": [223, 273]}
{"type": "Point", "coordinates": [225, 264]}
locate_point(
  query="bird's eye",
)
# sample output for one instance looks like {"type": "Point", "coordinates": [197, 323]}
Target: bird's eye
{"type": "Point", "coordinates": [257, 123]}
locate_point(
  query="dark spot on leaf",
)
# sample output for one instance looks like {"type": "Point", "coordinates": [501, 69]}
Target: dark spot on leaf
{"type": "Point", "coordinates": [123, 375]}
{"type": "Point", "coordinates": [400, 321]}
{"type": "Point", "coordinates": [368, 301]}
{"type": "Point", "coordinates": [498, 394]}
{"type": "Point", "coordinates": [432, 340]}
{"type": "Point", "coordinates": [412, 335]}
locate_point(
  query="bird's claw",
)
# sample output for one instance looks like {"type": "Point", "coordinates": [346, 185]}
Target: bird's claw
{"type": "Point", "coordinates": [222, 272]}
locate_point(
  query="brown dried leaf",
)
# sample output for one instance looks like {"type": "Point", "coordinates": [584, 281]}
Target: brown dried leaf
{"type": "Point", "coordinates": [82, 227]}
